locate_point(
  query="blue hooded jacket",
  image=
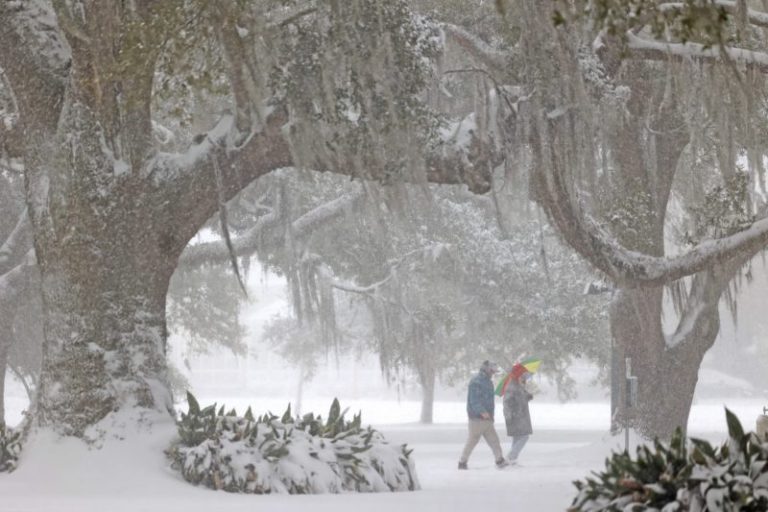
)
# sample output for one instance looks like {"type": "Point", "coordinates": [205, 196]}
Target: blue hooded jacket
{"type": "Point", "coordinates": [480, 396]}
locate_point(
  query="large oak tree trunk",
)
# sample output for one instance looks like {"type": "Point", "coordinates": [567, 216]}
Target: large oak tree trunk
{"type": "Point", "coordinates": [105, 336]}
{"type": "Point", "coordinates": [666, 366]}
{"type": "Point", "coordinates": [667, 375]}
{"type": "Point", "coordinates": [105, 260]}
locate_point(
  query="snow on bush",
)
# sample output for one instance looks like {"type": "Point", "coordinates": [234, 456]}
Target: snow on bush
{"type": "Point", "coordinates": [10, 447]}
{"type": "Point", "coordinates": [678, 477]}
{"type": "Point", "coordinates": [286, 455]}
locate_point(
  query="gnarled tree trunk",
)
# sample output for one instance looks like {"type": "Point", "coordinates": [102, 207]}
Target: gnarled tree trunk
{"type": "Point", "coordinates": [105, 261]}
{"type": "Point", "coordinates": [667, 375]}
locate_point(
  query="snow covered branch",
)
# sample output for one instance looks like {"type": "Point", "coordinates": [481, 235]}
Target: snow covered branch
{"type": "Point", "coordinates": [244, 245]}
{"type": "Point", "coordinates": [316, 217]}
{"type": "Point", "coordinates": [465, 160]}
{"type": "Point", "coordinates": [626, 267]}
{"type": "Point", "coordinates": [658, 50]}
{"type": "Point", "coordinates": [185, 181]}
{"type": "Point", "coordinates": [248, 242]}
{"type": "Point", "coordinates": [346, 286]}
{"type": "Point", "coordinates": [369, 289]}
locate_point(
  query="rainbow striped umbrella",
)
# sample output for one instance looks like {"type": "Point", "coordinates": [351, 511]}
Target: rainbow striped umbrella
{"type": "Point", "coordinates": [501, 387]}
{"type": "Point", "coordinates": [529, 364]}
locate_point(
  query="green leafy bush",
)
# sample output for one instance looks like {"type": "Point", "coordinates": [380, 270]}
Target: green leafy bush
{"type": "Point", "coordinates": [10, 447]}
{"type": "Point", "coordinates": [682, 476]}
{"type": "Point", "coordinates": [268, 454]}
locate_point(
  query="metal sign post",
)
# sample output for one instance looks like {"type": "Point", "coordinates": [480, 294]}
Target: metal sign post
{"type": "Point", "coordinates": [761, 426]}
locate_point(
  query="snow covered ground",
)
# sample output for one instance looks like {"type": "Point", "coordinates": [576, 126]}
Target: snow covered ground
{"type": "Point", "coordinates": [570, 441]}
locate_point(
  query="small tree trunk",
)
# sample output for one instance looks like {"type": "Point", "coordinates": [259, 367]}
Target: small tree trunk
{"type": "Point", "coordinates": [427, 380]}
{"type": "Point", "coordinates": [6, 338]}
{"type": "Point", "coordinates": [299, 391]}
{"type": "Point", "coordinates": [3, 366]}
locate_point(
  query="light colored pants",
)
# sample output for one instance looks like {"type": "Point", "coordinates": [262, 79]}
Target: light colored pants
{"type": "Point", "coordinates": [517, 446]}
{"type": "Point", "coordinates": [478, 429]}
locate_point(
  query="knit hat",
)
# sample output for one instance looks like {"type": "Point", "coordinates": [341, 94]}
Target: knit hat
{"type": "Point", "coordinates": [489, 367]}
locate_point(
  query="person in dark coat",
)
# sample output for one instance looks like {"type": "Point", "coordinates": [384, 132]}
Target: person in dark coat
{"type": "Point", "coordinates": [516, 412]}
{"type": "Point", "coordinates": [480, 409]}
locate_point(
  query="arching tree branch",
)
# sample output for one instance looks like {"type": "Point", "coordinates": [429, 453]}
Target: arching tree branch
{"type": "Point", "coordinates": [626, 267]}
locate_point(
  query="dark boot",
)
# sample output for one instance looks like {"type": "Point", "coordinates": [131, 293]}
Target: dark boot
{"type": "Point", "coordinates": [462, 465]}
{"type": "Point", "coordinates": [501, 463]}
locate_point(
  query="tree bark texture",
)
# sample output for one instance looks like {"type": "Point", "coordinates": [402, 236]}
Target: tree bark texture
{"type": "Point", "coordinates": [666, 365]}
{"type": "Point", "coordinates": [105, 257]}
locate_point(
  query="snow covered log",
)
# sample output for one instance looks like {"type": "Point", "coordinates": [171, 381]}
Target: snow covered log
{"type": "Point", "coordinates": [288, 456]}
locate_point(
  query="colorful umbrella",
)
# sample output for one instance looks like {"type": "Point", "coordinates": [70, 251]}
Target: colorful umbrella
{"type": "Point", "coordinates": [531, 364]}
{"type": "Point", "coordinates": [528, 364]}
{"type": "Point", "coordinates": [502, 385]}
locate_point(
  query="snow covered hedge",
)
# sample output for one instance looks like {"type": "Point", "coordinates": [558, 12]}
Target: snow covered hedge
{"type": "Point", "coordinates": [286, 455]}
{"type": "Point", "coordinates": [693, 477]}
{"type": "Point", "coordinates": [10, 447]}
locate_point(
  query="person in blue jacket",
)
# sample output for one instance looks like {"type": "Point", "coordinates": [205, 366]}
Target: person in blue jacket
{"type": "Point", "coordinates": [480, 408]}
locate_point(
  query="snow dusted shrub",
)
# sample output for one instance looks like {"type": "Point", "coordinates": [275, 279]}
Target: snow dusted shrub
{"type": "Point", "coordinates": [692, 477]}
{"type": "Point", "coordinates": [286, 455]}
{"type": "Point", "coordinates": [10, 447]}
